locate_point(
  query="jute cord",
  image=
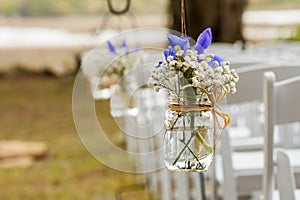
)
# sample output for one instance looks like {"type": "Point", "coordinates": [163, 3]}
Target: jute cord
{"type": "Point", "coordinates": [216, 110]}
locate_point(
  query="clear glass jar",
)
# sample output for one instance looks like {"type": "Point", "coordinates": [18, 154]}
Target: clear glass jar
{"type": "Point", "coordinates": [98, 89]}
{"type": "Point", "coordinates": [123, 99]}
{"type": "Point", "coordinates": [189, 134]}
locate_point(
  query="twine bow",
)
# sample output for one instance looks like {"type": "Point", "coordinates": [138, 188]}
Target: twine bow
{"type": "Point", "coordinates": [214, 107]}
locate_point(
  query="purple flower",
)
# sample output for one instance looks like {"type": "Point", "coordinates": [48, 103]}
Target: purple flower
{"type": "Point", "coordinates": [217, 58]}
{"type": "Point", "coordinates": [111, 47]}
{"type": "Point", "coordinates": [159, 63]}
{"type": "Point", "coordinates": [124, 46]}
{"type": "Point", "coordinates": [203, 41]}
{"type": "Point", "coordinates": [183, 43]}
{"type": "Point", "coordinates": [170, 51]}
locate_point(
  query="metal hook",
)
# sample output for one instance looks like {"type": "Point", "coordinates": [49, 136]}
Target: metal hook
{"type": "Point", "coordinates": [118, 12]}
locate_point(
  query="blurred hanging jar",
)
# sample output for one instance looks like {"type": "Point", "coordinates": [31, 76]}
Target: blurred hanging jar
{"type": "Point", "coordinates": [119, 72]}
{"type": "Point", "coordinates": [106, 67]}
{"type": "Point", "coordinates": [123, 99]}
{"type": "Point", "coordinates": [94, 65]}
{"type": "Point", "coordinates": [196, 82]}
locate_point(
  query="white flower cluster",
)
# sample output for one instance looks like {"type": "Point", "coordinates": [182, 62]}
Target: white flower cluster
{"type": "Point", "coordinates": [119, 67]}
{"type": "Point", "coordinates": [192, 69]}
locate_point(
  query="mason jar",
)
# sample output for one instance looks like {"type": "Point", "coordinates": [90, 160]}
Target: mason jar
{"type": "Point", "coordinates": [189, 133]}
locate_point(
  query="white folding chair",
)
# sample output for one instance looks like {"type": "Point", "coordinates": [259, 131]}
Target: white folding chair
{"type": "Point", "coordinates": [281, 100]}
{"type": "Point", "coordinates": [229, 182]}
{"type": "Point", "coordinates": [242, 171]}
{"type": "Point", "coordinates": [285, 177]}
{"type": "Point", "coordinates": [250, 94]}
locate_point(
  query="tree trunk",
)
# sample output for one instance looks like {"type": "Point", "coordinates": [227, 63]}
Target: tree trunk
{"type": "Point", "coordinates": [223, 16]}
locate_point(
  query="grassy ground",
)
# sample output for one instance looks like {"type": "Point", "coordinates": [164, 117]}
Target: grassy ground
{"type": "Point", "coordinates": [38, 108]}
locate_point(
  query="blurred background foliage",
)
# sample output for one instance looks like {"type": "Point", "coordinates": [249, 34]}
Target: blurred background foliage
{"type": "Point", "coordinates": [74, 7]}
{"type": "Point", "coordinates": [67, 7]}
{"type": "Point", "coordinates": [274, 4]}
{"type": "Point", "coordinates": [296, 34]}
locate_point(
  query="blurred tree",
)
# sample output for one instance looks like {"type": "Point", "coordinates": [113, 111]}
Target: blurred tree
{"type": "Point", "coordinates": [223, 16]}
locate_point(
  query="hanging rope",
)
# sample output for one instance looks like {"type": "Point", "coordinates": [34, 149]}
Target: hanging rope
{"type": "Point", "coordinates": [118, 12]}
{"type": "Point", "coordinates": [107, 17]}
{"type": "Point", "coordinates": [183, 22]}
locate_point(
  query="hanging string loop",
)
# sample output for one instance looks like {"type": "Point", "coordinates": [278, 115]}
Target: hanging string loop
{"type": "Point", "coordinates": [183, 22]}
{"type": "Point", "coordinates": [118, 12]}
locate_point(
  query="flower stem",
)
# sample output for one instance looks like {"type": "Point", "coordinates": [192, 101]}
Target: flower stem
{"type": "Point", "coordinates": [201, 139]}
{"type": "Point", "coordinates": [186, 146]}
{"type": "Point", "coordinates": [181, 152]}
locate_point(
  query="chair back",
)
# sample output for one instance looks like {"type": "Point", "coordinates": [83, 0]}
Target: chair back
{"type": "Point", "coordinates": [281, 106]}
{"type": "Point", "coordinates": [251, 79]}
{"type": "Point", "coordinates": [285, 176]}
{"type": "Point", "coordinates": [249, 87]}
{"type": "Point", "coordinates": [230, 186]}
{"type": "Point", "coordinates": [249, 113]}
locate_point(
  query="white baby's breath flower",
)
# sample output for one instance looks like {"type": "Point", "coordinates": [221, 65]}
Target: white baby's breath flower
{"type": "Point", "coordinates": [195, 81]}
{"type": "Point", "coordinates": [201, 76]}
{"type": "Point", "coordinates": [172, 63]}
{"type": "Point", "coordinates": [198, 70]}
{"type": "Point", "coordinates": [203, 64]}
{"type": "Point", "coordinates": [232, 84]}
{"type": "Point", "coordinates": [216, 63]}
{"type": "Point", "coordinates": [235, 75]}
{"type": "Point", "coordinates": [236, 79]}
{"type": "Point", "coordinates": [210, 71]}
{"type": "Point", "coordinates": [180, 74]}
{"type": "Point", "coordinates": [150, 81]}
{"type": "Point", "coordinates": [220, 69]}
{"type": "Point", "coordinates": [201, 56]}
{"type": "Point", "coordinates": [217, 82]}
{"type": "Point", "coordinates": [170, 58]}
{"type": "Point", "coordinates": [226, 69]}
{"type": "Point", "coordinates": [233, 90]}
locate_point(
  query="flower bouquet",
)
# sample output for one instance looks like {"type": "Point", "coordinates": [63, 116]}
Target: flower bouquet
{"type": "Point", "coordinates": [125, 60]}
{"type": "Point", "coordinates": [106, 66]}
{"type": "Point", "coordinates": [120, 81]}
{"type": "Point", "coordinates": [196, 82]}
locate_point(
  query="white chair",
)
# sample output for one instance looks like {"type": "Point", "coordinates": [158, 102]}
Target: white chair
{"type": "Point", "coordinates": [281, 100]}
{"type": "Point", "coordinates": [249, 95]}
{"type": "Point", "coordinates": [242, 171]}
{"type": "Point", "coordinates": [285, 177]}
{"type": "Point", "coordinates": [229, 182]}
